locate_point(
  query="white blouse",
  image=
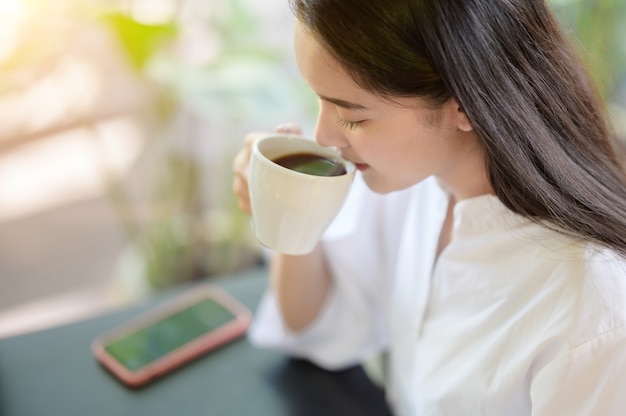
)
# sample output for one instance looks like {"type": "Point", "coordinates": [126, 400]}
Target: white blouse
{"type": "Point", "coordinates": [512, 318]}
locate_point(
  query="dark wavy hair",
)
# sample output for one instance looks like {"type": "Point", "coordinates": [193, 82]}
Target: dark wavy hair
{"type": "Point", "coordinates": [550, 153]}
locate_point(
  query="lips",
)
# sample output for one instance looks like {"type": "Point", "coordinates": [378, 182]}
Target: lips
{"type": "Point", "coordinates": [358, 166]}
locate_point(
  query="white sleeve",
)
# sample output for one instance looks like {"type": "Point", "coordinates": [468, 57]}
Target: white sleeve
{"type": "Point", "coordinates": [351, 327]}
{"type": "Point", "coordinates": [588, 380]}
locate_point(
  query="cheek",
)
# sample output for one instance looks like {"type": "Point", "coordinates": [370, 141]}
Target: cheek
{"type": "Point", "coordinates": [410, 156]}
{"type": "Point", "coordinates": [393, 162]}
{"type": "Point", "coordinates": [395, 146]}
{"type": "Point", "coordinates": [402, 143]}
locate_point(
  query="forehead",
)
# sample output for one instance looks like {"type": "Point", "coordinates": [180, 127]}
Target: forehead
{"type": "Point", "coordinates": [329, 79]}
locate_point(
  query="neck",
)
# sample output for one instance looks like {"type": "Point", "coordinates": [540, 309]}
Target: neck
{"type": "Point", "coordinates": [468, 178]}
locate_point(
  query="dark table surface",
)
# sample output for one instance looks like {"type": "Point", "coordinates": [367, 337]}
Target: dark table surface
{"type": "Point", "coordinates": [53, 372]}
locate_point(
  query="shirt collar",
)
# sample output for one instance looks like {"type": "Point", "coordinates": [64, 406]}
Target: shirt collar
{"type": "Point", "coordinates": [483, 213]}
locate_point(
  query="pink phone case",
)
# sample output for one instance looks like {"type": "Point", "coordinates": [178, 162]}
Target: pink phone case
{"type": "Point", "coordinates": [229, 331]}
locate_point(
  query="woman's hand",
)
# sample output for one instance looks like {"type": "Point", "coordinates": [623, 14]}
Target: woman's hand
{"type": "Point", "coordinates": [241, 162]}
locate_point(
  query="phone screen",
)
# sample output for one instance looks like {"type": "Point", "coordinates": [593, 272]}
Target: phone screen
{"type": "Point", "coordinates": [164, 336]}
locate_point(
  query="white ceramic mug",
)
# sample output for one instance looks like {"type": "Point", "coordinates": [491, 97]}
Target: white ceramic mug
{"type": "Point", "coordinates": [291, 210]}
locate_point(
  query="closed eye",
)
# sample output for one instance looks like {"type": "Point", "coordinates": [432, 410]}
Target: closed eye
{"type": "Point", "coordinates": [349, 125]}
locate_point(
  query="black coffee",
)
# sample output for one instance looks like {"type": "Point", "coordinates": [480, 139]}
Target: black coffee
{"type": "Point", "coordinates": [312, 164]}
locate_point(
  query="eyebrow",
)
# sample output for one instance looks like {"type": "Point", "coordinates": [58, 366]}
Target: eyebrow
{"type": "Point", "coordinates": [344, 104]}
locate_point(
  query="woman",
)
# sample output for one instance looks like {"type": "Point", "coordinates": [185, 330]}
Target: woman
{"type": "Point", "coordinates": [484, 242]}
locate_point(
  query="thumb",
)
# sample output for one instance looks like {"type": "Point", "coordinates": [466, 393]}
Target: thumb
{"type": "Point", "coordinates": [288, 128]}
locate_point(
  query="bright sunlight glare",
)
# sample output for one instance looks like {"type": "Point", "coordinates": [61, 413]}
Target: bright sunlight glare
{"type": "Point", "coordinates": [11, 14]}
{"type": "Point", "coordinates": [12, 8]}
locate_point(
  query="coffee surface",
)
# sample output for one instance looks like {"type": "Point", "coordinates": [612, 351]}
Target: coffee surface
{"type": "Point", "coordinates": [312, 164]}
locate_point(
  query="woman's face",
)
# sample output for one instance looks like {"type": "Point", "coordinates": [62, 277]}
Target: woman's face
{"type": "Point", "coordinates": [394, 145]}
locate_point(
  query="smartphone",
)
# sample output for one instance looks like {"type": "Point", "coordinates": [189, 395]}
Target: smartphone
{"type": "Point", "coordinates": [172, 334]}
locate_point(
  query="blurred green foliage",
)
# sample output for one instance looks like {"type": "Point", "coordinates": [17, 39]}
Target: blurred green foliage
{"type": "Point", "coordinates": [162, 240]}
{"type": "Point", "coordinates": [138, 40]}
{"type": "Point", "coordinates": [175, 243]}
{"type": "Point", "coordinates": [598, 28]}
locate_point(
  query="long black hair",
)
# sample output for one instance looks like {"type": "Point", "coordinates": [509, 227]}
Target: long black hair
{"type": "Point", "coordinates": [550, 153]}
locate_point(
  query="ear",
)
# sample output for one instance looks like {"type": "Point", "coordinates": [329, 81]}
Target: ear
{"type": "Point", "coordinates": [462, 122]}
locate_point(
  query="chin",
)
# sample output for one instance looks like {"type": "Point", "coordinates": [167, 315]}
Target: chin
{"type": "Point", "coordinates": [382, 185]}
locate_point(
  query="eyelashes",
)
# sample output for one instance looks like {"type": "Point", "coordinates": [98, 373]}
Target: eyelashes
{"type": "Point", "coordinates": [349, 125]}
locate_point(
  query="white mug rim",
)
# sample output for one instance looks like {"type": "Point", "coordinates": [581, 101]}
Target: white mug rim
{"type": "Point", "coordinates": [321, 150]}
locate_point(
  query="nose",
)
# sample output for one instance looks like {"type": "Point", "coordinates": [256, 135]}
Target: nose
{"type": "Point", "coordinates": [327, 131]}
